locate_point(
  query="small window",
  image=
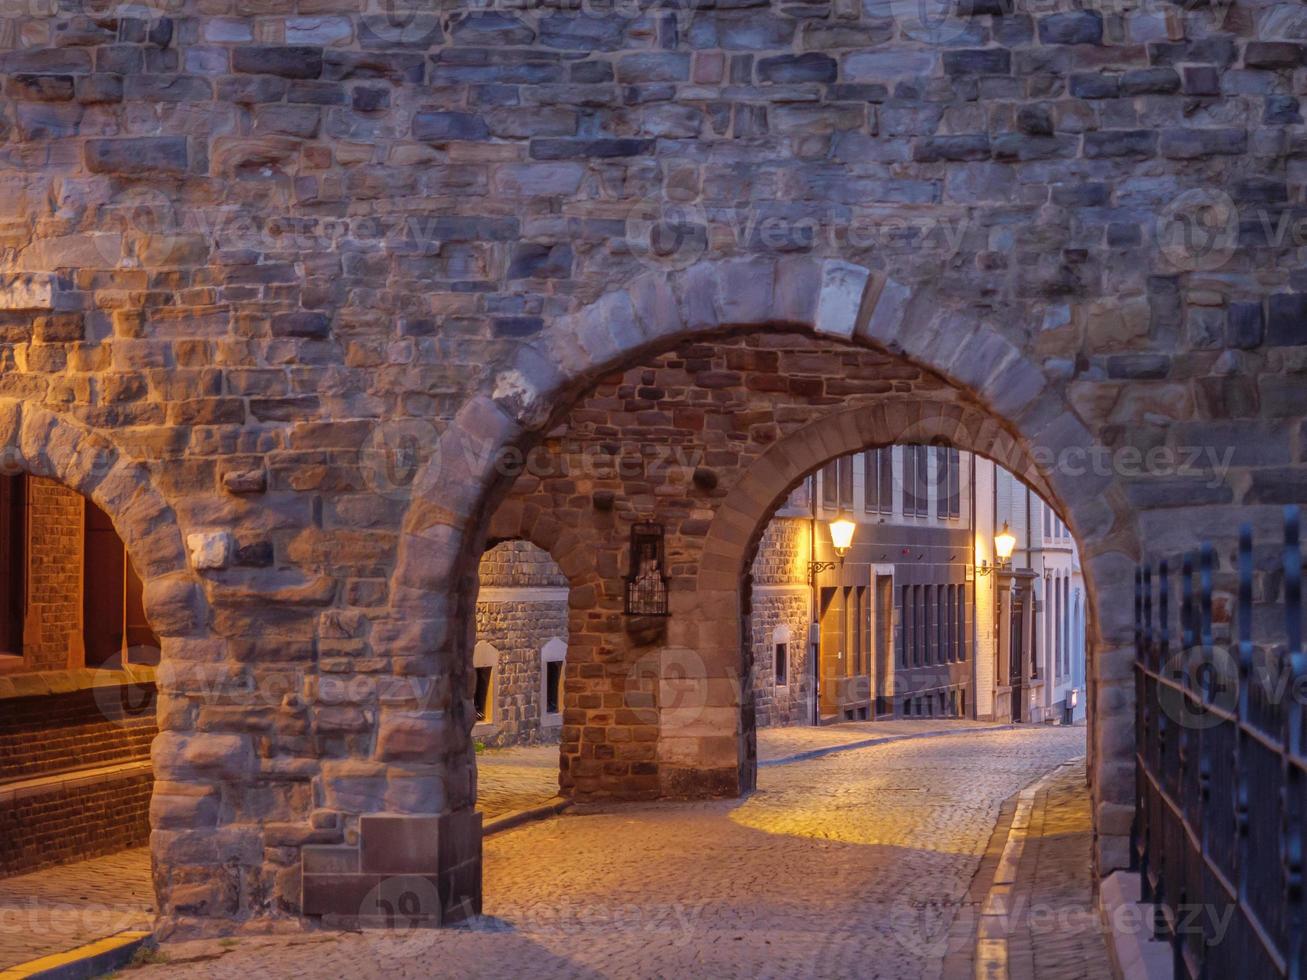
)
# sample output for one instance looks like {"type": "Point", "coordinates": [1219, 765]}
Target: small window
{"type": "Point", "coordinates": [782, 664]}
{"type": "Point", "coordinates": [962, 623]}
{"type": "Point", "coordinates": [871, 481]}
{"type": "Point", "coordinates": [941, 481]}
{"type": "Point", "coordinates": [886, 473]}
{"type": "Point", "coordinates": [830, 485]}
{"type": "Point", "coordinates": [954, 483]}
{"type": "Point", "coordinates": [553, 686]}
{"type": "Point", "coordinates": [483, 706]}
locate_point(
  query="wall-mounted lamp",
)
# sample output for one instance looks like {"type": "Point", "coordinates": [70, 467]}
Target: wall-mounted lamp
{"type": "Point", "coordinates": [1004, 542]}
{"type": "Point", "coordinates": [841, 537]}
{"type": "Point", "coordinates": [841, 534]}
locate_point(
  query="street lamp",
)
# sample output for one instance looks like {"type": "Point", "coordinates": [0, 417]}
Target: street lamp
{"type": "Point", "coordinates": [1004, 542]}
{"type": "Point", "coordinates": [841, 537]}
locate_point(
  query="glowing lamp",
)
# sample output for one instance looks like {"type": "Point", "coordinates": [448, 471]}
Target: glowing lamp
{"type": "Point", "coordinates": [841, 534]}
{"type": "Point", "coordinates": [1004, 542]}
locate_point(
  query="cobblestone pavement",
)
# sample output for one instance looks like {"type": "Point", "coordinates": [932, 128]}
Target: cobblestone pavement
{"type": "Point", "coordinates": [1057, 934]}
{"type": "Point", "coordinates": [516, 778]}
{"type": "Point", "coordinates": [855, 864]}
{"type": "Point", "coordinates": [775, 743]}
{"type": "Point", "coordinates": [525, 776]}
{"type": "Point", "coordinates": [61, 908]}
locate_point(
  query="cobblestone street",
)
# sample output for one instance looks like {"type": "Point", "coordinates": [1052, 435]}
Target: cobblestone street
{"type": "Point", "coordinates": [856, 864]}
{"type": "Point", "coordinates": [60, 908]}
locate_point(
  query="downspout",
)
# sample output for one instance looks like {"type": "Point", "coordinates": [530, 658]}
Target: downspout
{"type": "Point", "coordinates": [975, 674]}
{"type": "Point", "coordinates": [814, 648]}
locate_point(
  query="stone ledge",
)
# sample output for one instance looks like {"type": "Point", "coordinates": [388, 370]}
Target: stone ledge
{"type": "Point", "coordinates": [40, 683]}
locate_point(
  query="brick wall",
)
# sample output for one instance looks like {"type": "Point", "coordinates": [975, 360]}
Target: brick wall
{"type": "Point", "coordinates": [75, 821]}
{"type": "Point", "coordinates": [78, 730]}
{"type": "Point", "coordinates": [53, 629]}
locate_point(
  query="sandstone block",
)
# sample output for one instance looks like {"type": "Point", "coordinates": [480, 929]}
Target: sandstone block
{"type": "Point", "coordinates": [139, 156]}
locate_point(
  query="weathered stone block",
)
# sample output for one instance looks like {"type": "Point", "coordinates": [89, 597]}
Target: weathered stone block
{"type": "Point", "coordinates": [139, 156]}
{"type": "Point", "coordinates": [286, 61]}
{"type": "Point", "coordinates": [1072, 27]}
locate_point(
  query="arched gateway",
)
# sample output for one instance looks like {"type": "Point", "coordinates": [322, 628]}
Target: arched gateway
{"type": "Point", "coordinates": [888, 368]}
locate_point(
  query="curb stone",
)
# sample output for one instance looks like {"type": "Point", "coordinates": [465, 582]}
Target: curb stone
{"type": "Point", "coordinates": [92, 960]}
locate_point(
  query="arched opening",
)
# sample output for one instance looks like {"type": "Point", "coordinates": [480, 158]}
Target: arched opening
{"type": "Point", "coordinates": [745, 375]}
{"type": "Point", "coordinates": [78, 715]}
{"type": "Point", "coordinates": [913, 612]}
{"type": "Point", "coordinates": [667, 472]}
{"type": "Point", "coordinates": [519, 665]}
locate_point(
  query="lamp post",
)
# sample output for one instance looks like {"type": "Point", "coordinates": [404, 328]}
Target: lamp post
{"type": "Point", "coordinates": [841, 537]}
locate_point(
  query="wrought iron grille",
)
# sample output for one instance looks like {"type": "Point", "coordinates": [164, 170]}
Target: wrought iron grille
{"type": "Point", "coordinates": [1217, 833]}
{"type": "Point", "coordinates": [646, 586]}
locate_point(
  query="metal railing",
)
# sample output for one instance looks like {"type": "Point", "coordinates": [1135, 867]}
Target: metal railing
{"type": "Point", "coordinates": [1218, 828]}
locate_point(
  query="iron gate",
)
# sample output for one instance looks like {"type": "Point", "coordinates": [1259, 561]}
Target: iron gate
{"type": "Point", "coordinates": [1217, 834]}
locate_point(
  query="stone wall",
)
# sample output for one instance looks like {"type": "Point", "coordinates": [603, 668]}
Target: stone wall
{"type": "Point", "coordinates": [781, 598]}
{"type": "Point", "coordinates": [518, 619]}
{"type": "Point", "coordinates": [258, 265]}
{"type": "Point", "coordinates": [52, 634]}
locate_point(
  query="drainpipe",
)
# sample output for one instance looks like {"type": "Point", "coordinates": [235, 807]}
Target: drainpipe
{"type": "Point", "coordinates": [971, 543]}
{"type": "Point", "coordinates": [814, 647]}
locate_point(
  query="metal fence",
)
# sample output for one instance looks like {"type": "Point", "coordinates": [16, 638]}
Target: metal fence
{"type": "Point", "coordinates": [1218, 829]}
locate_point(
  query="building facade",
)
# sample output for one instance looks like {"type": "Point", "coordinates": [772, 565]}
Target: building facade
{"type": "Point", "coordinates": [916, 618]}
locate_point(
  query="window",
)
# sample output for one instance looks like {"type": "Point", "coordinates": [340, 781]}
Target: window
{"type": "Point", "coordinates": [954, 483]}
{"type": "Point", "coordinates": [952, 640]}
{"type": "Point", "coordinates": [782, 664]}
{"type": "Point", "coordinates": [886, 468]}
{"type": "Point", "coordinates": [962, 625]}
{"type": "Point", "coordinates": [830, 485]}
{"type": "Point", "coordinates": [837, 483]}
{"type": "Point", "coordinates": [942, 617]}
{"type": "Point", "coordinates": [906, 619]}
{"type": "Point", "coordinates": [909, 481]}
{"type": "Point", "coordinates": [871, 481]}
{"type": "Point", "coordinates": [923, 480]}
{"type": "Point", "coordinates": [13, 563]}
{"type": "Point", "coordinates": [553, 687]}
{"type": "Point", "coordinates": [485, 658]}
{"type": "Point", "coordinates": [941, 481]}
{"type": "Point", "coordinates": [483, 692]}
{"type": "Point", "coordinates": [919, 608]}
{"type": "Point", "coordinates": [929, 623]}
{"type": "Point", "coordinates": [553, 655]}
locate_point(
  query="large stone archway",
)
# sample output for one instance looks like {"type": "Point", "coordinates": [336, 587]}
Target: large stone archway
{"type": "Point", "coordinates": [720, 597]}
{"type": "Point", "coordinates": [986, 396]}
{"type": "Point", "coordinates": [186, 781]}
